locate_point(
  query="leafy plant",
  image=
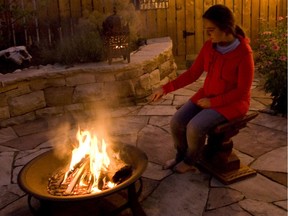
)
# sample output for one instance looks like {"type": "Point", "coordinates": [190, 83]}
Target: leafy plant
{"type": "Point", "coordinates": [84, 46]}
{"type": "Point", "coordinates": [271, 62]}
{"type": "Point", "coordinates": [10, 14]}
{"type": "Point", "coordinates": [78, 49]}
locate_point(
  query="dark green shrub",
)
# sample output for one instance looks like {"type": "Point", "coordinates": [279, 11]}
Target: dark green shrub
{"type": "Point", "coordinates": [85, 45]}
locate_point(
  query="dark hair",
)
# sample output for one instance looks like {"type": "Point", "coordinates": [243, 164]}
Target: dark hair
{"type": "Point", "coordinates": [224, 19]}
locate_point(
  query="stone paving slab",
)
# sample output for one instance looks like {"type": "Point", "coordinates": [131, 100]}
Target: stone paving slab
{"type": "Point", "coordinates": [31, 127]}
{"type": "Point", "coordinates": [6, 161]}
{"type": "Point", "coordinates": [155, 172]}
{"type": "Point", "coordinates": [280, 178]}
{"type": "Point", "coordinates": [160, 121]}
{"type": "Point", "coordinates": [157, 110]}
{"type": "Point", "coordinates": [261, 208]}
{"type": "Point", "coordinates": [261, 188]}
{"type": "Point", "coordinates": [256, 140]}
{"type": "Point", "coordinates": [270, 161]}
{"type": "Point", "coordinates": [7, 134]}
{"type": "Point", "coordinates": [177, 194]}
{"type": "Point", "coordinates": [18, 207]}
{"type": "Point", "coordinates": [28, 142]}
{"type": "Point", "coordinates": [184, 92]}
{"type": "Point", "coordinates": [234, 209]}
{"type": "Point", "coordinates": [256, 105]}
{"type": "Point", "coordinates": [220, 197]}
{"type": "Point", "coordinates": [157, 142]}
{"type": "Point", "coordinates": [271, 121]}
{"type": "Point", "coordinates": [179, 100]}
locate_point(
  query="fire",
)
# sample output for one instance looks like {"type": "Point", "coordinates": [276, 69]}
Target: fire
{"type": "Point", "coordinates": [88, 145]}
{"type": "Point", "coordinates": [92, 153]}
{"type": "Point", "coordinates": [91, 170]}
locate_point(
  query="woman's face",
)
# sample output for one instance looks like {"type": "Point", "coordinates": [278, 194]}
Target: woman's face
{"type": "Point", "coordinates": [214, 33]}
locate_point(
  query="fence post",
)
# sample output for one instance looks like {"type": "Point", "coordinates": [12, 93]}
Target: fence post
{"type": "Point", "coordinates": [36, 22]}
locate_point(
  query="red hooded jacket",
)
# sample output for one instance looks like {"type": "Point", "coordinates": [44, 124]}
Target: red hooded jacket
{"type": "Point", "coordinates": [228, 80]}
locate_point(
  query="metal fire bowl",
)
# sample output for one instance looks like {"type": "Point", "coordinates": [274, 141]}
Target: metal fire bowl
{"type": "Point", "coordinates": [33, 178]}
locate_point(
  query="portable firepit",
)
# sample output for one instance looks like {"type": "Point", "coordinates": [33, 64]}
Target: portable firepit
{"type": "Point", "coordinates": [34, 176]}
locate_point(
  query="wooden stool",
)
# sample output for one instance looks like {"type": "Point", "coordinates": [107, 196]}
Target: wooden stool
{"type": "Point", "coordinates": [218, 157]}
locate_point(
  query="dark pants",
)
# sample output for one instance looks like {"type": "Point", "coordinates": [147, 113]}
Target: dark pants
{"type": "Point", "coordinates": [189, 127]}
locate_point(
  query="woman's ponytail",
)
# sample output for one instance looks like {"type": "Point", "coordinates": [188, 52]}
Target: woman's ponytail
{"type": "Point", "coordinates": [239, 31]}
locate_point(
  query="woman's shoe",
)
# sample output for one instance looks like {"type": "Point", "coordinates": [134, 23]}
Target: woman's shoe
{"type": "Point", "coordinates": [182, 167]}
{"type": "Point", "coordinates": [169, 164]}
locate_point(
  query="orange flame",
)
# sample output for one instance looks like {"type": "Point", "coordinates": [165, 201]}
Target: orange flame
{"type": "Point", "coordinates": [89, 145]}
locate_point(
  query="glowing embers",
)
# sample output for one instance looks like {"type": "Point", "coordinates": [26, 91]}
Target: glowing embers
{"type": "Point", "coordinates": [93, 168]}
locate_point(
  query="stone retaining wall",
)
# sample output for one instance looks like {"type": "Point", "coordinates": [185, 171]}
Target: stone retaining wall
{"type": "Point", "coordinates": [54, 89]}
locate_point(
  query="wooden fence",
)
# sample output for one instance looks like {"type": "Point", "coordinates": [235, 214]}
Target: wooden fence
{"type": "Point", "coordinates": [45, 21]}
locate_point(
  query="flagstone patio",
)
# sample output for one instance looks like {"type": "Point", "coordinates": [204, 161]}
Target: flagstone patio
{"type": "Point", "coordinates": [262, 145]}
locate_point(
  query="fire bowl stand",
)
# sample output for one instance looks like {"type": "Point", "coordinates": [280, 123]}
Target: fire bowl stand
{"type": "Point", "coordinates": [104, 205]}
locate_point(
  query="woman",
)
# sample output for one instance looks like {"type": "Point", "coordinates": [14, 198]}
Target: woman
{"type": "Point", "coordinates": [227, 58]}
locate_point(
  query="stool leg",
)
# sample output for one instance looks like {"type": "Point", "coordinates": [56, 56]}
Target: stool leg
{"type": "Point", "coordinates": [219, 152]}
{"type": "Point", "coordinates": [218, 143]}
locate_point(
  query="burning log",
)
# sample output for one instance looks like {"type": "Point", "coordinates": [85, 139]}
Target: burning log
{"type": "Point", "coordinates": [91, 168]}
{"type": "Point", "coordinates": [80, 180]}
{"type": "Point", "coordinates": [76, 177]}
{"type": "Point", "coordinates": [90, 181]}
{"type": "Point", "coordinates": [121, 171]}
{"type": "Point", "coordinates": [101, 181]}
{"type": "Point", "coordinates": [122, 174]}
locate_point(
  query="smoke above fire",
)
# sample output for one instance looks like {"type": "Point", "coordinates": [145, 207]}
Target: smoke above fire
{"type": "Point", "coordinates": [64, 136]}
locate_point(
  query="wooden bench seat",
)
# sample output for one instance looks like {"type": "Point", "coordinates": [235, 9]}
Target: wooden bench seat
{"type": "Point", "coordinates": [218, 157]}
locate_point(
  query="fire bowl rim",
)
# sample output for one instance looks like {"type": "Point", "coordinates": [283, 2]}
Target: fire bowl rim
{"type": "Point", "coordinates": [142, 162]}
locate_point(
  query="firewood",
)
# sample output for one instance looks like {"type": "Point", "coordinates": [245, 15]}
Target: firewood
{"type": "Point", "coordinates": [66, 184]}
{"type": "Point", "coordinates": [101, 180]}
{"type": "Point", "coordinates": [118, 166]}
{"type": "Point", "coordinates": [90, 183]}
{"type": "Point", "coordinates": [76, 177]}
{"type": "Point", "coordinates": [122, 174]}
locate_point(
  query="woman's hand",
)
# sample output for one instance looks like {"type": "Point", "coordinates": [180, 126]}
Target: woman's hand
{"type": "Point", "coordinates": [157, 94]}
{"type": "Point", "coordinates": [204, 103]}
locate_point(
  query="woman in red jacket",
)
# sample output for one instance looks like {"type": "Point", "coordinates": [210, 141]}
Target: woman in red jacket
{"type": "Point", "coordinates": [228, 61]}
